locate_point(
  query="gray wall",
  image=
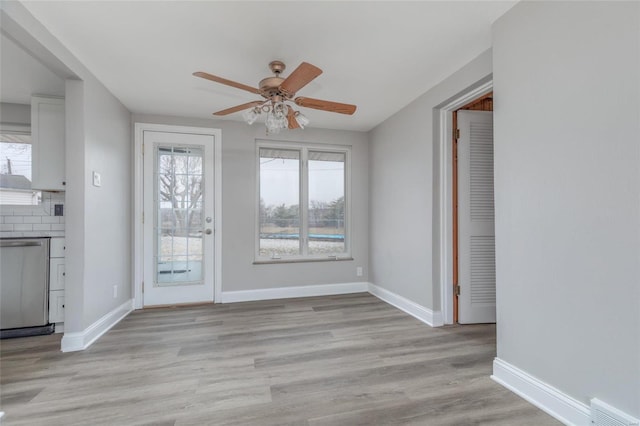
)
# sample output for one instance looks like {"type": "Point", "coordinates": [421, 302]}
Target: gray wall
{"type": "Point", "coordinates": [98, 218]}
{"type": "Point", "coordinates": [403, 176]}
{"type": "Point", "coordinates": [74, 208]}
{"type": "Point", "coordinates": [23, 75]}
{"type": "Point", "coordinates": [98, 138]}
{"type": "Point", "coordinates": [239, 204]}
{"type": "Point", "coordinates": [15, 114]}
{"type": "Point", "coordinates": [567, 170]}
{"type": "Point", "coordinates": [107, 209]}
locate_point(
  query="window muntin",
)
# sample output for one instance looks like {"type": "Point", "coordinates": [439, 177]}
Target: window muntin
{"type": "Point", "coordinates": [303, 202]}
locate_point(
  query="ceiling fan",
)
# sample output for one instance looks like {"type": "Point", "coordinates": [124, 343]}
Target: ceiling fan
{"type": "Point", "coordinates": [277, 91]}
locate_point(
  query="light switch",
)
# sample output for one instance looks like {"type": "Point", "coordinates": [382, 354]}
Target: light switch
{"type": "Point", "coordinates": [97, 179]}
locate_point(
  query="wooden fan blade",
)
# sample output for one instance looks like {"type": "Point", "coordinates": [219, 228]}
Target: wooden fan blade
{"type": "Point", "coordinates": [299, 78]}
{"type": "Point", "coordinates": [238, 108]}
{"type": "Point", "coordinates": [326, 105]}
{"type": "Point", "coordinates": [221, 80]}
{"type": "Point", "coordinates": [293, 123]}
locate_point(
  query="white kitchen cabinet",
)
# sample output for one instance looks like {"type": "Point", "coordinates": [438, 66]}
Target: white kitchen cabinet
{"type": "Point", "coordinates": [56, 307]}
{"type": "Point", "coordinates": [56, 274]}
{"type": "Point", "coordinates": [48, 143]}
{"type": "Point", "coordinates": [56, 280]}
{"type": "Point", "coordinates": [57, 247]}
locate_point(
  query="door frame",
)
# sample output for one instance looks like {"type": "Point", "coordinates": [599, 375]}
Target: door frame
{"type": "Point", "coordinates": [445, 199]}
{"type": "Point", "coordinates": [138, 204]}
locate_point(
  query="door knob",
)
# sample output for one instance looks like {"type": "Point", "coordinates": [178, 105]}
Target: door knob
{"type": "Point", "coordinates": [208, 231]}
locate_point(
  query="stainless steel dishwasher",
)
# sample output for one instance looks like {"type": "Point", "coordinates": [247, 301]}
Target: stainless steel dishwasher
{"type": "Point", "coordinates": [24, 287]}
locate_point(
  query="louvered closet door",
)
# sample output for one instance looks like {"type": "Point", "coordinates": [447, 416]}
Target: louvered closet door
{"type": "Point", "coordinates": [476, 231]}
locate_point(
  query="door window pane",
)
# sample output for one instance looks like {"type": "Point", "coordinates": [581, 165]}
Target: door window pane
{"type": "Point", "coordinates": [279, 216]}
{"type": "Point", "coordinates": [179, 238]}
{"type": "Point", "coordinates": [326, 210]}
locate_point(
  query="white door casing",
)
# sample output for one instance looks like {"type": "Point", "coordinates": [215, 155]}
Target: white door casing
{"type": "Point", "coordinates": [476, 227]}
{"type": "Point", "coordinates": [178, 230]}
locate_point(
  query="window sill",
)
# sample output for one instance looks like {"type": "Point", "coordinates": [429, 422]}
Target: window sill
{"type": "Point", "coordinates": [307, 260]}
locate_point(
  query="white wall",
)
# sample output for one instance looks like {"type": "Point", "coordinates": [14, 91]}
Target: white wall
{"type": "Point", "coordinates": [32, 220]}
{"type": "Point", "coordinates": [403, 157]}
{"type": "Point", "coordinates": [239, 204]}
{"type": "Point", "coordinates": [567, 182]}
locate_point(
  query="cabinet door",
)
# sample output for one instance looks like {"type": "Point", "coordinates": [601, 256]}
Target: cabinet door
{"type": "Point", "coordinates": [56, 248]}
{"type": "Point", "coordinates": [48, 143]}
{"type": "Point", "coordinates": [56, 274]}
{"type": "Point", "coordinates": [56, 306]}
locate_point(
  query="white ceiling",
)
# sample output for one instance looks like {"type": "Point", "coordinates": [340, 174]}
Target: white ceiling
{"type": "Point", "coordinates": [377, 55]}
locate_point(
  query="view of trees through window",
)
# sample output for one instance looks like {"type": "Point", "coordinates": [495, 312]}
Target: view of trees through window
{"type": "Point", "coordinates": [179, 186]}
{"type": "Point", "coordinates": [288, 228]}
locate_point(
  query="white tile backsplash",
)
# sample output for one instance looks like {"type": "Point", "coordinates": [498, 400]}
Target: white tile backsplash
{"type": "Point", "coordinates": [33, 221]}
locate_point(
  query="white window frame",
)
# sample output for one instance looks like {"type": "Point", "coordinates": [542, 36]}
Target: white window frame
{"type": "Point", "coordinates": [304, 149]}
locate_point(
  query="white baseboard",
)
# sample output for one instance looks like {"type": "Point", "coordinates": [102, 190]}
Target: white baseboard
{"type": "Point", "coordinates": [79, 341]}
{"type": "Point", "coordinates": [426, 315]}
{"type": "Point", "coordinates": [544, 396]}
{"type": "Point", "coordinates": [432, 318]}
{"type": "Point", "coordinates": [290, 292]}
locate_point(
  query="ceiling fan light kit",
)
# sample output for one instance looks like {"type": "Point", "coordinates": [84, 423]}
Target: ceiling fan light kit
{"type": "Point", "coordinates": [278, 92]}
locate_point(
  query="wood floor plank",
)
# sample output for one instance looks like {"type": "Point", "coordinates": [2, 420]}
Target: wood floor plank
{"type": "Point", "coordinates": [331, 360]}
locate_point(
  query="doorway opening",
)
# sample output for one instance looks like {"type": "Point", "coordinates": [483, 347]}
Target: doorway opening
{"type": "Point", "coordinates": [177, 215]}
{"type": "Point", "coordinates": [444, 197]}
{"type": "Point", "coordinates": [473, 212]}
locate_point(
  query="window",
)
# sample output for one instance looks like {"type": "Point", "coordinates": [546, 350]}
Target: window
{"type": "Point", "coordinates": [303, 202]}
{"type": "Point", "coordinates": [179, 175]}
{"type": "Point", "coordinates": [15, 169]}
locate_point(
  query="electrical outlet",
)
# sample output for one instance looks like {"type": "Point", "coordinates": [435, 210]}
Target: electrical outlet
{"type": "Point", "coordinates": [115, 291]}
{"type": "Point", "coordinates": [359, 271]}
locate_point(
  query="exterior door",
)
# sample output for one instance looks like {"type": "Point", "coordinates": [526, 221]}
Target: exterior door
{"type": "Point", "coordinates": [178, 218]}
{"type": "Point", "coordinates": [476, 231]}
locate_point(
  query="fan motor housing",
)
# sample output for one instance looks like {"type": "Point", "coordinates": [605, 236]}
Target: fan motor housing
{"type": "Point", "coordinates": [269, 86]}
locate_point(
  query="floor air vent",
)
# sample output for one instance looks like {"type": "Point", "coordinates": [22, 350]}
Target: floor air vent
{"type": "Point", "coordinates": [603, 414]}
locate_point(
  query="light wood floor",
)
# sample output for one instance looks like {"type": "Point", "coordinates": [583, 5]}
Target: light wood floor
{"type": "Point", "coordinates": [341, 360]}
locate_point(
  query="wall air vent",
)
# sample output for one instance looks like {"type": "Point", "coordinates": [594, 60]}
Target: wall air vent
{"type": "Point", "coordinates": [603, 414]}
